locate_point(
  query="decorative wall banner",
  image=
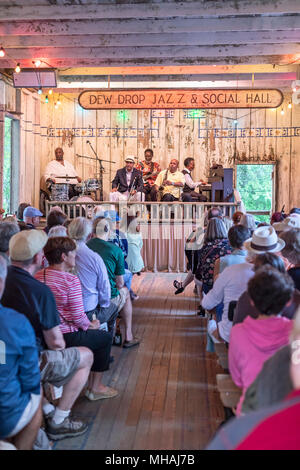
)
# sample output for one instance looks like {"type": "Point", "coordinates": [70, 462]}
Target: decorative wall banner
{"type": "Point", "coordinates": [180, 99]}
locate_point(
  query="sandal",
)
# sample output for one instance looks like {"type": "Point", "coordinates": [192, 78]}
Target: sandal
{"type": "Point", "coordinates": [179, 291]}
{"type": "Point", "coordinates": [177, 284]}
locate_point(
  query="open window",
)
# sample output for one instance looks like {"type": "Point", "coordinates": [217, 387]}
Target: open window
{"type": "Point", "coordinates": [255, 184]}
{"type": "Point", "coordinates": [10, 187]}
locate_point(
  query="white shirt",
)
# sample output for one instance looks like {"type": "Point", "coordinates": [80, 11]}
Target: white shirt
{"type": "Point", "coordinates": [188, 179]}
{"type": "Point", "coordinates": [230, 285]}
{"type": "Point", "coordinates": [128, 176]}
{"type": "Point", "coordinates": [55, 168]}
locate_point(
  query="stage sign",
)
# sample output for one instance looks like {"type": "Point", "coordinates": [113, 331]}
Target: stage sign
{"type": "Point", "coordinates": [180, 99]}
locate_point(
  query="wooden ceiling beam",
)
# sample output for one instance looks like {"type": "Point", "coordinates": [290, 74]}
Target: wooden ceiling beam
{"type": "Point", "coordinates": [61, 63]}
{"type": "Point", "coordinates": [148, 10]}
{"type": "Point", "coordinates": [187, 69]}
{"type": "Point", "coordinates": [151, 39]}
{"type": "Point", "coordinates": [168, 53]}
{"type": "Point", "coordinates": [179, 25]}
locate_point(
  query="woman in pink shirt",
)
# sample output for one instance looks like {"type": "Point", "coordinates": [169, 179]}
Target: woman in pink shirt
{"type": "Point", "coordinates": [60, 253]}
{"type": "Point", "coordinates": [256, 339]}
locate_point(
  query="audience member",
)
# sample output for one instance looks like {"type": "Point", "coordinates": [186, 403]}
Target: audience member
{"type": "Point", "coordinates": [114, 261]}
{"type": "Point", "coordinates": [59, 366]}
{"type": "Point", "coordinates": [291, 252]}
{"type": "Point", "coordinates": [256, 340]}
{"type": "Point", "coordinates": [57, 231]}
{"type": "Point", "coordinates": [54, 218]}
{"type": "Point", "coordinates": [215, 245]}
{"type": "Point", "coordinates": [227, 288]}
{"type": "Point", "coordinates": [2, 212]}
{"type": "Point", "coordinates": [93, 276]}
{"type": "Point", "coordinates": [7, 230]}
{"type": "Point", "coordinates": [274, 427]}
{"type": "Point", "coordinates": [20, 394]}
{"type": "Point", "coordinates": [248, 221]}
{"type": "Point", "coordinates": [236, 218]}
{"type": "Point", "coordinates": [135, 243]}
{"type": "Point", "coordinates": [20, 211]}
{"type": "Point", "coordinates": [31, 217]}
{"type": "Point", "coordinates": [237, 235]}
{"type": "Point", "coordinates": [287, 224]}
{"type": "Point", "coordinates": [295, 210]}
{"type": "Point", "coordinates": [193, 244]}
{"type": "Point", "coordinates": [244, 306]}
{"type": "Point", "coordinates": [277, 217]}
{"type": "Point", "coordinates": [77, 329]}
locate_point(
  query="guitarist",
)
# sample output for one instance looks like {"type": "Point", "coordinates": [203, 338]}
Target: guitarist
{"type": "Point", "coordinates": [150, 171]}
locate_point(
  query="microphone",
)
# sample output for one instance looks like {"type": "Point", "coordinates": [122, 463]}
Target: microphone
{"type": "Point", "coordinates": [88, 142]}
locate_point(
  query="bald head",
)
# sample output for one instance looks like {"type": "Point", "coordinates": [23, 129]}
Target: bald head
{"type": "Point", "coordinates": [173, 165]}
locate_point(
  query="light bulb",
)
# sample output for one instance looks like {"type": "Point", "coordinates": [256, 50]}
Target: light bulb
{"type": "Point", "coordinates": [46, 99]}
{"type": "Point", "coordinates": [58, 102]}
{"type": "Point", "coordinates": [40, 91]}
{"type": "Point", "coordinates": [294, 89]}
{"type": "Point", "coordinates": [2, 52]}
{"type": "Point", "coordinates": [50, 92]}
{"type": "Point", "coordinates": [55, 106]}
{"type": "Point", "coordinates": [18, 68]}
{"type": "Point", "coordinates": [37, 63]}
{"type": "Point", "coordinates": [289, 105]}
{"type": "Point", "coordinates": [282, 112]}
{"type": "Point", "coordinates": [235, 121]}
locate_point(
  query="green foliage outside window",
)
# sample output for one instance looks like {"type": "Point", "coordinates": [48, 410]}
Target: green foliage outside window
{"type": "Point", "coordinates": [7, 165]}
{"type": "Point", "coordinates": [254, 183]}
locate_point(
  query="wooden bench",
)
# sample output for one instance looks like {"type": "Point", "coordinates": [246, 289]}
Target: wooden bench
{"type": "Point", "coordinates": [229, 392]}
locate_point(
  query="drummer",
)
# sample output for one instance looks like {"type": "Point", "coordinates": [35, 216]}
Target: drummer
{"type": "Point", "coordinates": [59, 168]}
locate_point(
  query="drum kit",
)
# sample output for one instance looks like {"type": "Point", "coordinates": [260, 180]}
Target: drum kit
{"type": "Point", "coordinates": [86, 192]}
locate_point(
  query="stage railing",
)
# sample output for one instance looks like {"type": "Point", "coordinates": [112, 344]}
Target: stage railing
{"type": "Point", "coordinates": [148, 211]}
{"type": "Point", "coordinates": [164, 226]}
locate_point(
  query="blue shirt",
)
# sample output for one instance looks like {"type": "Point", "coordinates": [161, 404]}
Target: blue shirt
{"type": "Point", "coordinates": [34, 299]}
{"type": "Point", "coordinates": [20, 374]}
{"type": "Point", "coordinates": [236, 257]}
{"type": "Point", "coordinates": [93, 277]}
{"type": "Point", "coordinates": [119, 239]}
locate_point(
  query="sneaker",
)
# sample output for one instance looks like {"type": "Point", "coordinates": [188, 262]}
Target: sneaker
{"type": "Point", "coordinates": [68, 428]}
{"type": "Point", "coordinates": [109, 393]}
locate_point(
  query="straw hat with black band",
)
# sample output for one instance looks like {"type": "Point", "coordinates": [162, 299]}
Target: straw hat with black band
{"type": "Point", "coordinates": [264, 240]}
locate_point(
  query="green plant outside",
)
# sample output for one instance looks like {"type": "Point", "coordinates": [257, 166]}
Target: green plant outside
{"type": "Point", "coordinates": [7, 165]}
{"type": "Point", "coordinates": [254, 183]}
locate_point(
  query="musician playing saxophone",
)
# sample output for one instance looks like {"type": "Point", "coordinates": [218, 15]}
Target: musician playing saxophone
{"type": "Point", "coordinates": [170, 182]}
{"type": "Point", "coordinates": [150, 171]}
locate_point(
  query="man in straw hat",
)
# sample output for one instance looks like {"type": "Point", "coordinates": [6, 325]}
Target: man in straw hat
{"type": "Point", "coordinates": [128, 184]}
{"type": "Point", "coordinates": [59, 366]}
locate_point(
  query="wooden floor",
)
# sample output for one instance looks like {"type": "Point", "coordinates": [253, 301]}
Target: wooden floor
{"type": "Point", "coordinates": [167, 387]}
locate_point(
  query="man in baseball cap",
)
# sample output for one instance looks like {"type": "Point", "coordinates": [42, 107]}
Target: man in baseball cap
{"type": "Point", "coordinates": [31, 217]}
{"type": "Point", "coordinates": [128, 183]}
{"type": "Point", "coordinates": [60, 366]}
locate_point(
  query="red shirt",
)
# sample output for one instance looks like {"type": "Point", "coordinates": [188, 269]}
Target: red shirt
{"type": "Point", "coordinates": [147, 169]}
{"type": "Point", "coordinates": [67, 291]}
{"type": "Point", "coordinates": [279, 431]}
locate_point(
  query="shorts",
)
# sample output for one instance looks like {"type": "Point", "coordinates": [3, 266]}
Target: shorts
{"type": "Point", "coordinates": [120, 300]}
{"type": "Point", "coordinates": [27, 415]}
{"type": "Point", "coordinates": [60, 366]}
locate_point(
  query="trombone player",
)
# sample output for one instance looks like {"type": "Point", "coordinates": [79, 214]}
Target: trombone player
{"type": "Point", "coordinates": [128, 183]}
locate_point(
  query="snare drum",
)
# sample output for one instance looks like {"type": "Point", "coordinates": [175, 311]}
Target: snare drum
{"type": "Point", "coordinates": [59, 192]}
{"type": "Point", "coordinates": [92, 184]}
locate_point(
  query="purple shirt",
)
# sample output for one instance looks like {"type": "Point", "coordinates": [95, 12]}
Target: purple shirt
{"type": "Point", "coordinates": [93, 277]}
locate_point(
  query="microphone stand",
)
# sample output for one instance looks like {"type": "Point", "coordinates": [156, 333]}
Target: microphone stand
{"type": "Point", "coordinates": [101, 168]}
